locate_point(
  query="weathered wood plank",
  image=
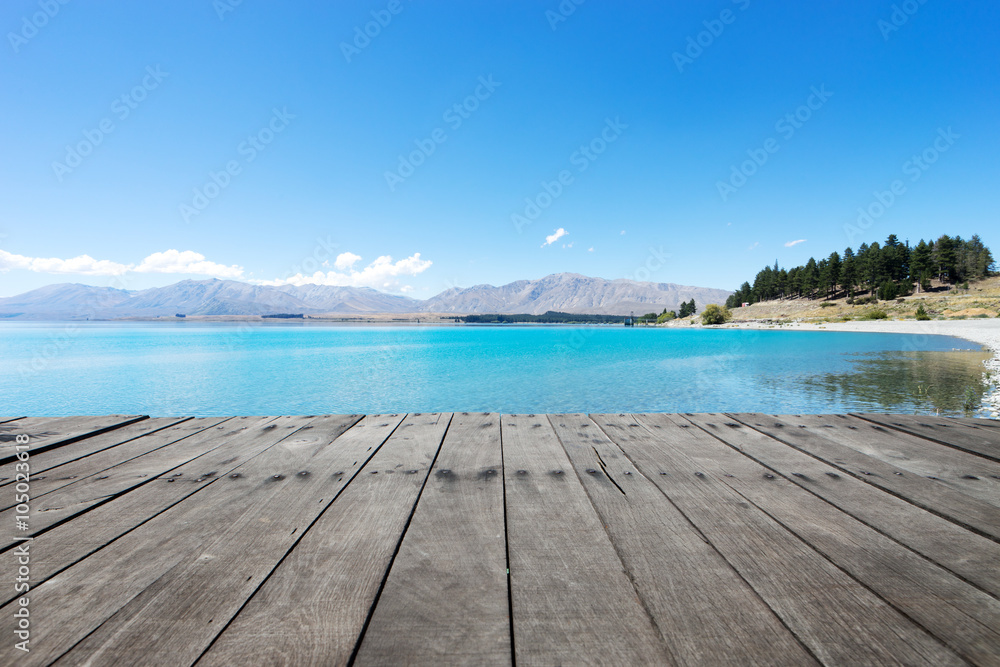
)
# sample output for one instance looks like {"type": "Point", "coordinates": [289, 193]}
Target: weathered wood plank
{"type": "Point", "coordinates": [958, 614]}
{"type": "Point", "coordinates": [573, 602]}
{"type": "Point", "coordinates": [113, 582]}
{"type": "Point", "coordinates": [837, 618]}
{"type": "Point", "coordinates": [79, 599]}
{"type": "Point", "coordinates": [445, 600]}
{"type": "Point", "coordinates": [971, 556]}
{"type": "Point", "coordinates": [42, 462]}
{"type": "Point", "coordinates": [68, 543]}
{"type": "Point", "coordinates": [76, 496]}
{"type": "Point", "coordinates": [982, 442]}
{"type": "Point", "coordinates": [966, 473]}
{"type": "Point", "coordinates": [706, 613]}
{"type": "Point", "coordinates": [977, 422]}
{"type": "Point", "coordinates": [313, 607]}
{"type": "Point", "coordinates": [45, 434]}
{"type": "Point", "coordinates": [111, 458]}
{"type": "Point", "coordinates": [929, 494]}
{"type": "Point", "coordinates": [177, 617]}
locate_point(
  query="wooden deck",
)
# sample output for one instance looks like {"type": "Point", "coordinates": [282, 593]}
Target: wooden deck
{"type": "Point", "coordinates": [443, 539]}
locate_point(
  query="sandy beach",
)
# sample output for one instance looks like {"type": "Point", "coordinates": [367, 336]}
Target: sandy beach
{"type": "Point", "coordinates": [985, 332]}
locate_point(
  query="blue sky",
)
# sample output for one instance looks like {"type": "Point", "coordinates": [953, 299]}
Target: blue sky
{"type": "Point", "coordinates": [144, 143]}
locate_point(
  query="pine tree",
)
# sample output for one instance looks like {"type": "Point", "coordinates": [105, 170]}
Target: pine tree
{"type": "Point", "coordinates": [848, 272]}
{"type": "Point", "coordinates": [920, 262]}
{"type": "Point", "coordinates": [945, 259]}
{"type": "Point", "coordinates": [833, 269]}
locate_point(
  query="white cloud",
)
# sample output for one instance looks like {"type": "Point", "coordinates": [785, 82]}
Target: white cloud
{"type": "Point", "coordinates": [555, 236]}
{"type": "Point", "coordinates": [188, 261]}
{"type": "Point", "coordinates": [792, 243]}
{"type": "Point", "coordinates": [382, 274]}
{"type": "Point", "coordinates": [623, 233]}
{"type": "Point", "coordinates": [346, 260]}
{"type": "Point", "coordinates": [590, 249]}
{"type": "Point", "coordinates": [83, 265]}
{"type": "Point", "coordinates": [755, 244]}
{"type": "Point", "coordinates": [170, 261]}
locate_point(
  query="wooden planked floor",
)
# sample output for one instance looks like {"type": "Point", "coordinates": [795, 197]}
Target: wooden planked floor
{"type": "Point", "coordinates": [708, 539]}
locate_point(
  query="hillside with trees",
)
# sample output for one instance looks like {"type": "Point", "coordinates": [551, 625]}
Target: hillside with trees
{"type": "Point", "coordinates": [883, 272]}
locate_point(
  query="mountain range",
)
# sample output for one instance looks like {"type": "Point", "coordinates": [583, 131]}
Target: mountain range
{"type": "Point", "coordinates": [563, 292]}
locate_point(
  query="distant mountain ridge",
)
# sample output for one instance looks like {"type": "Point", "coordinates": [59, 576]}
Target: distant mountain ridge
{"type": "Point", "coordinates": [564, 292]}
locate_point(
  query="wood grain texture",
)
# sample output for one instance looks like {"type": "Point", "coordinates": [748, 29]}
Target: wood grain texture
{"type": "Point", "coordinates": [60, 498]}
{"type": "Point", "coordinates": [707, 614]}
{"type": "Point", "coordinates": [666, 539]}
{"type": "Point", "coordinates": [837, 618]}
{"type": "Point", "coordinates": [993, 424]}
{"type": "Point", "coordinates": [41, 462]}
{"type": "Point", "coordinates": [48, 434]}
{"type": "Point", "coordinates": [107, 460]}
{"type": "Point", "coordinates": [980, 441]}
{"type": "Point", "coordinates": [958, 614]}
{"type": "Point", "coordinates": [971, 556]}
{"type": "Point", "coordinates": [313, 607]}
{"type": "Point", "coordinates": [81, 597]}
{"type": "Point", "coordinates": [967, 473]}
{"type": "Point", "coordinates": [573, 601]}
{"type": "Point", "coordinates": [445, 599]}
{"type": "Point", "coordinates": [178, 615]}
{"type": "Point", "coordinates": [929, 494]}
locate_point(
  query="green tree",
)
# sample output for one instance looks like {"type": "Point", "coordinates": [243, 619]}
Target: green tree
{"type": "Point", "coordinates": [945, 259]}
{"type": "Point", "coordinates": [849, 272]}
{"type": "Point", "coordinates": [920, 261]}
{"type": "Point", "coordinates": [715, 314]}
{"type": "Point", "coordinates": [810, 278]}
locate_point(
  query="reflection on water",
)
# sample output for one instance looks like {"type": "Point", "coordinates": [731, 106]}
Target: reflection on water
{"type": "Point", "coordinates": [947, 383]}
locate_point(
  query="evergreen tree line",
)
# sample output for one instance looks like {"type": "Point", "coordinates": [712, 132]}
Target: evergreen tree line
{"type": "Point", "coordinates": [883, 271]}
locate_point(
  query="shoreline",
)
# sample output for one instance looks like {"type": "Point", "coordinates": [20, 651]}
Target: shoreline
{"type": "Point", "coordinates": [985, 332]}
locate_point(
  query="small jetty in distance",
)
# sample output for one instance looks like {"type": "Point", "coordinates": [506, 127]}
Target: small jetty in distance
{"type": "Point", "coordinates": [480, 538]}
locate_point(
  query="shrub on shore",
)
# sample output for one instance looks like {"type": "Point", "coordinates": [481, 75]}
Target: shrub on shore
{"type": "Point", "coordinates": [922, 314]}
{"type": "Point", "coordinates": [874, 314]}
{"type": "Point", "coordinates": [715, 314]}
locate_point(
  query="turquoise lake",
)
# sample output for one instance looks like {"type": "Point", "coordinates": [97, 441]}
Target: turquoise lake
{"type": "Point", "coordinates": [236, 369]}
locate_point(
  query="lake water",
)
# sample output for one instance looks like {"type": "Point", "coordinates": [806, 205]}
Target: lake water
{"type": "Point", "coordinates": [238, 369]}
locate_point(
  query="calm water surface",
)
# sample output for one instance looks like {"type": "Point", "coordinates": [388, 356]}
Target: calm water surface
{"type": "Point", "coordinates": [221, 369]}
